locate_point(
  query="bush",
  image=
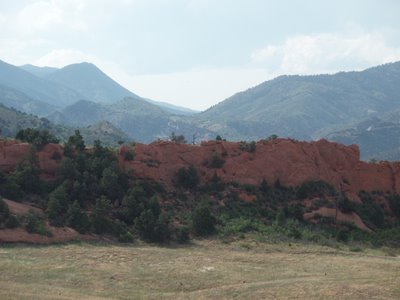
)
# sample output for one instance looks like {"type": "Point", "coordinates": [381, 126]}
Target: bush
{"type": "Point", "coordinates": [216, 161]}
{"type": "Point", "coordinates": [129, 155]}
{"type": "Point", "coordinates": [343, 235]}
{"type": "Point", "coordinates": [34, 224]}
{"type": "Point", "coordinates": [180, 139]}
{"type": "Point", "coordinates": [4, 210]}
{"type": "Point", "coordinates": [249, 147]}
{"type": "Point", "coordinates": [187, 177]}
{"type": "Point", "coordinates": [100, 218]}
{"type": "Point", "coordinates": [126, 237]}
{"type": "Point", "coordinates": [394, 202]}
{"type": "Point", "coordinates": [151, 228]}
{"type": "Point", "coordinates": [36, 137]}
{"type": "Point", "coordinates": [295, 211]}
{"type": "Point", "coordinates": [203, 222]}
{"type": "Point", "coordinates": [370, 212]}
{"type": "Point", "coordinates": [314, 189]}
{"type": "Point", "coordinates": [57, 205]}
{"type": "Point", "coordinates": [215, 184]}
{"type": "Point", "coordinates": [182, 234]}
{"type": "Point", "coordinates": [345, 205]}
{"type": "Point", "coordinates": [12, 222]}
{"type": "Point", "coordinates": [77, 219]}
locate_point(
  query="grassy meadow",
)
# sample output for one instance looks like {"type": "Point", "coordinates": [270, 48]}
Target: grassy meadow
{"type": "Point", "coordinates": [244, 269]}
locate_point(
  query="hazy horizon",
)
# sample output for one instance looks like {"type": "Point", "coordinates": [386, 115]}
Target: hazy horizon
{"type": "Point", "coordinates": [196, 53]}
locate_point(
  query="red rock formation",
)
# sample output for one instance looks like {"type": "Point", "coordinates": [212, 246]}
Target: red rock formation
{"type": "Point", "coordinates": [290, 161]}
{"type": "Point", "coordinates": [12, 151]}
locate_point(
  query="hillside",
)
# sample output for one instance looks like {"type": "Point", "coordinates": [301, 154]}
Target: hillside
{"type": "Point", "coordinates": [90, 82]}
{"type": "Point", "coordinates": [302, 106]}
{"type": "Point", "coordinates": [11, 121]}
{"type": "Point", "coordinates": [18, 100]}
{"type": "Point", "coordinates": [139, 119]}
{"type": "Point", "coordinates": [36, 88]}
{"type": "Point", "coordinates": [277, 188]}
{"type": "Point", "coordinates": [377, 136]}
{"type": "Point", "coordinates": [38, 71]}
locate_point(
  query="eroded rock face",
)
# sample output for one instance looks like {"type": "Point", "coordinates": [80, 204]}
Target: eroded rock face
{"type": "Point", "coordinates": [292, 162]}
{"type": "Point", "coordinates": [12, 152]}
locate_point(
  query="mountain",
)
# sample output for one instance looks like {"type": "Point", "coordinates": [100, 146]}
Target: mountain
{"type": "Point", "coordinates": [12, 120]}
{"type": "Point", "coordinates": [377, 136]}
{"type": "Point", "coordinates": [36, 88]}
{"type": "Point", "coordinates": [18, 100]}
{"type": "Point", "coordinates": [38, 71]}
{"type": "Point", "coordinates": [139, 119]}
{"type": "Point", "coordinates": [91, 82]}
{"type": "Point", "coordinates": [96, 86]}
{"type": "Point", "coordinates": [63, 87]}
{"type": "Point", "coordinates": [303, 107]}
{"type": "Point", "coordinates": [174, 109]}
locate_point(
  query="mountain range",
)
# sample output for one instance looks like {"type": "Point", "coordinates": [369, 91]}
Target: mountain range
{"type": "Point", "coordinates": [337, 106]}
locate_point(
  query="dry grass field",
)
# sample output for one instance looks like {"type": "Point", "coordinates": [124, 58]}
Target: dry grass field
{"type": "Point", "coordinates": [203, 270]}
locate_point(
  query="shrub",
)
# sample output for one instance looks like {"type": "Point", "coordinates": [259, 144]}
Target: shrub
{"type": "Point", "coordinates": [264, 188]}
{"type": "Point", "coordinates": [215, 184]}
{"type": "Point", "coordinates": [345, 205]}
{"type": "Point", "coordinates": [246, 146]}
{"type": "Point", "coordinates": [180, 139]}
{"type": "Point", "coordinates": [187, 177]}
{"type": "Point", "coordinates": [4, 210]}
{"type": "Point", "coordinates": [295, 211]}
{"type": "Point", "coordinates": [216, 161]}
{"type": "Point", "coordinates": [126, 237]}
{"type": "Point", "coordinates": [343, 235]}
{"type": "Point", "coordinates": [26, 174]}
{"type": "Point", "coordinates": [12, 222]}
{"type": "Point", "coordinates": [100, 218]}
{"type": "Point", "coordinates": [36, 137]}
{"type": "Point", "coordinates": [151, 228]}
{"type": "Point", "coordinates": [182, 234]}
{"type": "Point", "coordinates": [77, 219]}
{"type": "Point", "coordinates": [34, 224]}
{"type": "Point", "coordinates": [129, 155]}
{"type": "Point", "coordinates": [313, 189]}
{"type": "Point", "coordinates": [370, 212]}
{"type": "Point", "coordinates": [203, 222]}
{"type": "Point", "coordinates": [57, 205]}
{"type": "Point", "coordinates": [394, 202]}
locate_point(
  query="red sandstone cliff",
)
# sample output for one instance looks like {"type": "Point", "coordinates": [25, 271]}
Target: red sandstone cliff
{"type": "Point", "coordinates": [11, 152]}
{"type": "Point", "coordinates": [292, 162]}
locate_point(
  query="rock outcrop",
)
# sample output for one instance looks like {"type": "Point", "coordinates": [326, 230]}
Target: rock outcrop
{"type": "Point", "coordinates": [49, 157]}
{"type": "Point", "coordinates": [292, 162]}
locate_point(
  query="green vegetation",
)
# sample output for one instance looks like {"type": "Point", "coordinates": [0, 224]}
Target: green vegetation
{"type": "Point", "coordinates": [36, 137]}
{"type": "Point", "coordinates": [246, 146]}
{"type": "Point", "coordinates": [216, 161]}
{"type": "Point", "coordinates": [35, 224]}
{"type": "Point", "coordinates": [187, 177]}
{"type": "Point", "coordinates": [202, 219]}
{"type": "Point", "coordinates": [92, 195]}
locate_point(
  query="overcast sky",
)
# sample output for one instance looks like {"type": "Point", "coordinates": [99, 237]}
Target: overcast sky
{"type": "Point", "coordinates": [196, 53]}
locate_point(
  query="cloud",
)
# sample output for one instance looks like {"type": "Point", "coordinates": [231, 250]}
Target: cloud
{"type": "Point", "coordinates": [326, 52]}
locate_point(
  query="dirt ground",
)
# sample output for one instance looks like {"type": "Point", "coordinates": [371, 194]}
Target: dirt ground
{"type": "Point", "coordinates": [204, 270]}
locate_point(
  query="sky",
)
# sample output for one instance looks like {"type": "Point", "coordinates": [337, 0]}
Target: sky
{"type": "Point", "coordinates": [196, 53]}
